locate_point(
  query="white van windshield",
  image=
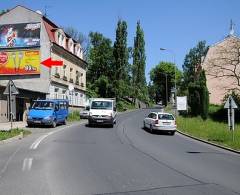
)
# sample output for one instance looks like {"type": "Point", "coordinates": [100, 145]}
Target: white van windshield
{"type": "Point", "coordinates": [101, 105]}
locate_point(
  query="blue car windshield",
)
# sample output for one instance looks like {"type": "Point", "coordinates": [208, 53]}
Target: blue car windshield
{"type": "Point", "coordinates": [43, 105]}
{"type": "Point", "coordinates": [101, 105]}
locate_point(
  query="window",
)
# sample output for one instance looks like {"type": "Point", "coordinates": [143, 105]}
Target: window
{"type": "Point", "coordinates": [71, 71]}
{"type": "Point", "coordinates": [165, 117]}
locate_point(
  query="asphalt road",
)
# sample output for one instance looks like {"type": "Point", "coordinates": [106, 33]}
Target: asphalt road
{"type": "Point", "coordinates": [122, 160]}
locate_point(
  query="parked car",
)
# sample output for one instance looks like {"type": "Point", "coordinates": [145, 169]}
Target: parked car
{"type": "Point", "coordinates": [84, 113]}
{"type": "Point", "coordinates": [48, 112]}
{"type": "Point", "coordinates": [160, 122]}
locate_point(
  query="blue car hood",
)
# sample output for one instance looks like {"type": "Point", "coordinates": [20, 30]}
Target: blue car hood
{"type": "Point", "coordinates": [40, 113]}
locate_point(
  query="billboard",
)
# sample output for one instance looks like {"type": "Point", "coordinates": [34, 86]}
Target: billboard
{"type": "Point", "coordinates": [182, 103]}
{"type": "Point", "coordinates": [21, 62]}
{"type": "Point", "coordinates": [20, 35]}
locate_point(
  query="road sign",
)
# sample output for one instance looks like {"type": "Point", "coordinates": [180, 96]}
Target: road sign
{"type": "Point", "coordinates": [11, 89]}
{"type": "Point", "coordinates": [230, 103]}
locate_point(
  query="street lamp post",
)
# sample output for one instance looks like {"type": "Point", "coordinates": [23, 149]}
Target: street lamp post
{"type": "Point", "coordinates": [175, 83]}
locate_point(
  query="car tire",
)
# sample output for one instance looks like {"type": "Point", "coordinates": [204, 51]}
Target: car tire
{"type": "Point", "coordinates": [65, 121]}
{"type": "Point", "coordinates": [144, 125]}
{"type": "Point", "coordinates": [111, 125]}
{"type": "Point", "coordinates": [172, 132]}
{"type": "Point", "coordinates": [151, 129]}
{"type": "Point", "coordinates": [54, 124]}
{"type": "Point", "coordinates": [29, 125]}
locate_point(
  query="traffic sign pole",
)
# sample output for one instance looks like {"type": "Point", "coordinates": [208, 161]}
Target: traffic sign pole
{"type": "Point", "coordinates": [231, 105]}
{"type": "Point", "coordinates": [10, 99]}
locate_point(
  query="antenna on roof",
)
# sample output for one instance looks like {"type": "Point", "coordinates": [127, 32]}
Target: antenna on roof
{"type": "Point", "coordinates": [231, 28]}
{"type": "Point", "coordinates": [45, 10]}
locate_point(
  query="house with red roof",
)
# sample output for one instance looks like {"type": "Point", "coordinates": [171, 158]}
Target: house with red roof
{"type": "Point", "coordinates": [27, 38]}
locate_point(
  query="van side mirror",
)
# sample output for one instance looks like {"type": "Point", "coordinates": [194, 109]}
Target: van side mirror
{"type": "Point", "coordinates": [56, 108]}
{"type": "Point", "coordinates": [88, 108]}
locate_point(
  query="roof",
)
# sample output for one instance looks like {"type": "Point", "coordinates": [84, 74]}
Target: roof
{"type": "Point", "coordinates": [227, 37]}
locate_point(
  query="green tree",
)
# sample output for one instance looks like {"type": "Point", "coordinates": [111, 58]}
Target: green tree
{"type": "Point", "coordinates": [120, 53]}
{"type": "Point", "coordinates": [192, 62]}
{"type": "Point", "coordinates": [3, 11]}
{"type": "Point", "coordinates": [139, 63]}
{"type": "Point", "coordinates": [163, 79]}
{"type": "Point", "coordinates": [195, 80]}
{"type": "Point", "coordinates": [100, 68]}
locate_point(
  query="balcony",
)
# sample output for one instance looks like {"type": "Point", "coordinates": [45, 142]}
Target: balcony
{"type": "Point", "coordinates": [57, 75]}
{"type": "Point", "coordinates": [71, 80]}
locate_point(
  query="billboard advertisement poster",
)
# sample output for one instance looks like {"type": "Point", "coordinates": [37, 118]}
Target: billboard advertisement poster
{"type": "Point", "coordinates": [20, 35]}
{"type": "Point", "coordinates": [21, 62]}
{"type": "Point", "coordinates": [182, 103]}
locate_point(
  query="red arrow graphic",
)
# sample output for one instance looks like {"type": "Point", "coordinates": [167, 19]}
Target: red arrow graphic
{"type": "Point", "coordinates": [49, 62]}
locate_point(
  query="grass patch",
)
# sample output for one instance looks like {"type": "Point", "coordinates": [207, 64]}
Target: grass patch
{"type": "Point", "coordinates": [210, 130]}
{"type": "Point", "coordinates": [73, 116]}
{"type": "Point", "coordinates": [14, 132]}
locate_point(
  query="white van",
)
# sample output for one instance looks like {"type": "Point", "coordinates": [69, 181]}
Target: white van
{"type": "Point", "coordinates": [102, 111]}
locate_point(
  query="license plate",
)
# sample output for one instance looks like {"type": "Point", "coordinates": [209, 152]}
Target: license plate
{"type": "Point", "coordinates": [37, 121]}
{"type": "Point", "coordinates": [166, 123]}
{"type": "Point", "coordinates": [99, 121]}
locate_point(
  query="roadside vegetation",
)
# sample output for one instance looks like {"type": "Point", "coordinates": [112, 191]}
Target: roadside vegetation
{"type": "Point", "coordinates": [214, 129]}
{"type": "Point", "coordinates": [73, 116]}
{"type": "Point", "coordinates": [14, 132]}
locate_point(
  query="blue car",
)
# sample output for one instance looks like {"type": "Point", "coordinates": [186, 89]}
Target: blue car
{"type": "Point", "coordinates": [48, 112]}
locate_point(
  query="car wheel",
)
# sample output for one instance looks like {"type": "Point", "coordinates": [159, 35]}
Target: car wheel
{"type": "Point", "coordinates": [172, 132]}
{"type": "Point", "coordinates": [151, 129]}
{"type": "Point", "coordinates": [54, 124]}
{"type": "Point", "coordinates": [111, 125]}
{"type": "Point", "coordinates": [65, 121]}
{"type": "Point", "coordinates": [30, 125]}
{"type": "Point", "coordinates": [144, 125]}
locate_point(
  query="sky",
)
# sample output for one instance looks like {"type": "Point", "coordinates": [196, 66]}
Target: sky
{"type": "Point", "coordinates": [177, 25]}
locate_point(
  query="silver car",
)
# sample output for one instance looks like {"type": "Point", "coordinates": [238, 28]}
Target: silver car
{"type": "Point", "coordinates": [160, 122]}
{"type": "Point", "coordinates": [84, 114]}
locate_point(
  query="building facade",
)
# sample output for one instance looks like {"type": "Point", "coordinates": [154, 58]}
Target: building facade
{"type": "Point", "coordinates": [26, 39]}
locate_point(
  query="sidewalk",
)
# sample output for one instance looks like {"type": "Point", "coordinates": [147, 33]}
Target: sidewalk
{"type": "Point", "coordinates": [7, 126]}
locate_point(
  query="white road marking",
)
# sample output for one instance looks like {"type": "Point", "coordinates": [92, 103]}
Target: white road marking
{"type": "Point", "coordinates": [40, 139]}
{"type": "Point", "coordinates": [27, 164]}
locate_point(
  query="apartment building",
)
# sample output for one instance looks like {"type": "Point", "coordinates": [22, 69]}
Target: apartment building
{"type": "Point", "coordinates": [26, 39]}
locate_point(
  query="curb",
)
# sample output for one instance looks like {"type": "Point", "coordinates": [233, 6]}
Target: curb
{"type": "Point", "coordinates": [210, 143]}
{"type": "Point", "coordinates": [17, 137]}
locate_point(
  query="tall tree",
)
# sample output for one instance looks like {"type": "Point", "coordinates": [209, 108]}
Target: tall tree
{"type": "Point", "coordinates": [100, 68]}
{"type": "Point", "coordinates": [139, 63]}
{"type": "Point", "coordinates": [195, 80]}
{"type": "Point", "coordinates": [3, 11]}
{"type": "Point", "coordinates": [192, 62]}
{"type": "Point", "coordinates": [120, 53]}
